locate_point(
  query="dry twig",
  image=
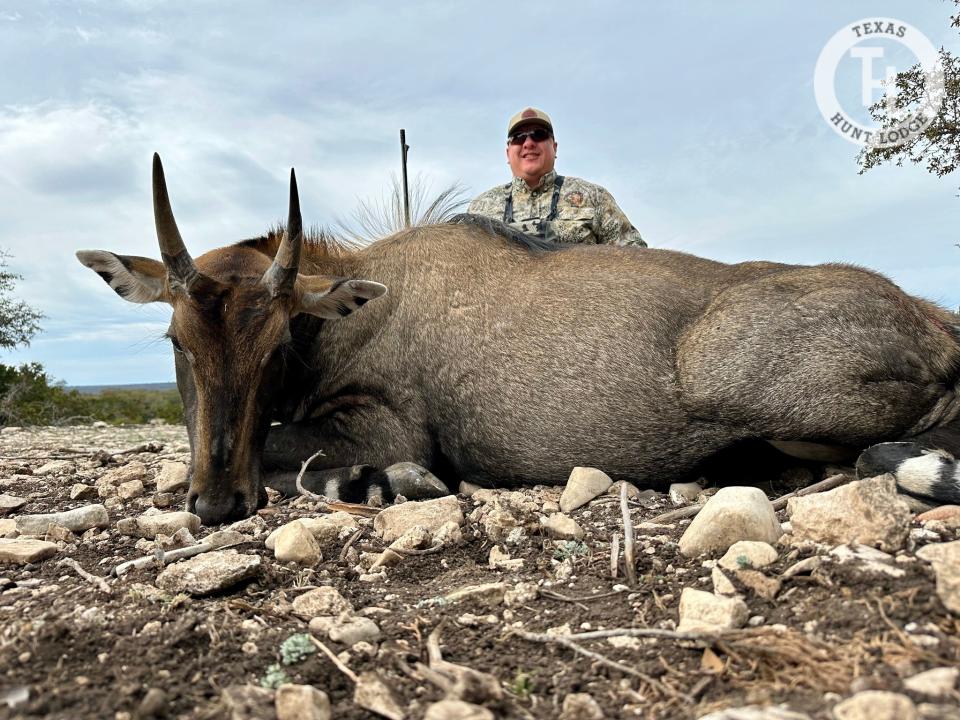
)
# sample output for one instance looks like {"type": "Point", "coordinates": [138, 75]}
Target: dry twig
{"type": "Point", "coordinates": [614, 555]}
{"type": "Point", "coordinates": [335, 660]}
{"type": "Point", "coordinates": [629, 548]}
{"type": "Point", "coordinates": [96, 580]}
{"type": "Point", "coordinates": [303, 468]}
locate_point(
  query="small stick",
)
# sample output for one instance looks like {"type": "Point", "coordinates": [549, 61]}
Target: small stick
{"type": "Point", "coordinates": [303, 468]}
{"type": "Point", "coordinates": [335, 660]}
{"type": "Point", "coordinates": [89, 577]}
{"type": "Point", "coordinates": [614, 555]}
{"type": "Point", "coordinates": [624, 632]}
{"type": "Point", "coordinates": [557, 596]}
{"type": "Point", "coordinates": [603, 660]}
{"type": "Point", "coordinates": [629, 558]}
{"type": "Point", "coordinates": [165, 558]}
{"type": "Point", "coordinates": [350, 542]}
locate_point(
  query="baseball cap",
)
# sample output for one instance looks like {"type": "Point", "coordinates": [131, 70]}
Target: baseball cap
{"type": "Point", "coordinates": [529, 116]}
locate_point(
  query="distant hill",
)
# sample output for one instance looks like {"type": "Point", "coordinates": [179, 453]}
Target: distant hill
{"type": "Point", "coordinates": [97, 389]}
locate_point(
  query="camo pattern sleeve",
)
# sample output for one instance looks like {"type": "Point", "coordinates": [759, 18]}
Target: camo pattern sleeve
{"type": "Point", "coordinates": [490, 203]}
{"type": "Point", "coordinates": [614, 226]}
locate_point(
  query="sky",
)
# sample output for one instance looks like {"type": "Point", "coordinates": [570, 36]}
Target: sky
{"type": "Point", "coordinates": [699, 117]}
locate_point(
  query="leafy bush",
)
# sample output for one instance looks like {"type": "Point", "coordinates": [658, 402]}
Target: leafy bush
{"type": "Point", "coordinates": [28, 396]}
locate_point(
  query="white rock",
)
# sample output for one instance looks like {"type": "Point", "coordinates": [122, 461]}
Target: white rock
{"type": "Point", "coordinates": [938, 682]}
{"type": "Point", "coordinates": [581, 706]}
{"type": "Point", "coordinates": [76, 520]}
{"type": "Point", "coordinates": [130, 489]}
{"type": "Point", "coordinates": [9, 503]}
{"type": "Point", "coordinates": [392, 522]}
{"type": "Point", "coordinates": [20, 551]}
{"type": "Point", "coordinates": [457, 710]}
{"type": "Point", "coordinates": [134, 470]}
{"type": "Point", "coordinates": [301, 702]}
{"type": "Point", "coordinates": [373, 694]}
{"type": "Point", "coordinates": [561, 527]}
{"type": "Point", "coordinates": [321, 601]}
{"type": "Point", "coordinates": [326, 528]}
{"type": "Point", "coordinates": [583, 485]}
{"type": "Point", "coordinates": [448, 534]}
{"type": "Point", "coordinates": [876, 705]}
{"type": "Point", "coordinates": [149, 525]}
{"type": "Point", "coordinates": [490, 593]}
{"type": "Point", "coordinates": [866, 512]}
{"type": "Point", "coordinates": [733, 514]}
{"type": "Point", "coordinates": [294, 543]}
{"type": "Point", "coordinates": [948, 552]}
{"type": "Point", "coordinates": [55, 467]}
{"type": "Point", "coordinates": [522, 593]}
{"type": "Point", "coordinates": [79, 491]}
{"type": "Point", "coordinates": [8, 528]}
{"type": "Point", "coordinates": [756, 712]}
{"type": "Point", "coordinates": [721, 583]}
{"type": "Point", "coordinates": [209, 573]}
{"type": "Point", "coordinates": [354, 630]}
{"type": "Point", "coordinates": [748, 554]}
{"type": "Point", "coordinates": [705, 612]}
{"type": "Point", "coordinates": [172, 477]}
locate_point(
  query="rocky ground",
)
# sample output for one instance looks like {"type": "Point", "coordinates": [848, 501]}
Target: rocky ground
{"type": "Point", "coordinates": [498, 604]}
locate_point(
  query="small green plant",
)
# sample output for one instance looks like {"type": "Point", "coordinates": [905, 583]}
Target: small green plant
{"type": "Point", "coordinates": [743, 562]}
{"type": "Point", "coordinates": [274, 677]}
{"type": "Point", "coordinates": [569, 549]}
{"type": "Point", "coordinates": [522, 684]}
{"type": "Point", "coordinates": [296, 648]}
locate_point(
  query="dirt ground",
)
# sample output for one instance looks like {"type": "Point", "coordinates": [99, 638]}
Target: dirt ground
{"type": "Point", "coordinates": [80, 652]}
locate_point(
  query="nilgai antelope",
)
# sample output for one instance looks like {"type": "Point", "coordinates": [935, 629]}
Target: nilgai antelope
{"type": "Point", "coordinates": [485, 355]}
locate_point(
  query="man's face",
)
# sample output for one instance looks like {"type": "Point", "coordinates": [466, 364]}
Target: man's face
{"type": "Point", "coordinates": [531, 160]}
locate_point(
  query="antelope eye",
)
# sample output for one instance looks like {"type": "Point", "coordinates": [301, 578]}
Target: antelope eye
{"type": "Point", "coordinates": [176, 344]}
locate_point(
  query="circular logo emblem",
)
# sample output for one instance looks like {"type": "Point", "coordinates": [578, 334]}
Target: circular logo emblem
{"type": "Point", "coordinates": [853, 54]}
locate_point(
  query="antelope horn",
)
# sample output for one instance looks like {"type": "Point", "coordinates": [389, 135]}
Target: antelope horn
{"type": "Point", "coordinates": [181, 272]}
{"type": "Point", "coordinates": [282, 274]}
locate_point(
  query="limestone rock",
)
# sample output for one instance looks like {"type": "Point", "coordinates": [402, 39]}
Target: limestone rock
{"type": "Point", "coordinates": [867, 512]}
{"type": "Point", "coordinates": [522, 593]}
{"type": "Point", "coordinates": [135, 470]}
{"type": "Point", "coordinates": [721, 583]}
{"type": "Point", "coordinates": [938, 682]}
{"type": "Point", "coordinates": [748, 554]}
{"type": "Point", "coordinates": [21, 551]}
{"type": "Point", "coordinates": [354, 630]}
{"type": "Point", "coordinates": [10, 503]}
{"type": "Point", "coordinates": [580, 706]}
{"type": "Point", "coordinates": [294, 543]}
{"type": "Point", "coordinates": [489, 593]}
{"type": "Point", "coordinates": [301, 702]}
{"type": "Point", "coordinates": [733, 514]}
{"type": "Point", "coordinates": [457, 710]}
{"type": "Point", "coordinates": [149, 525]}
{"type": "Point", "coordinates": [130, 489]}
{"type": "Point", "coordinates": [373, 694]}
{"type": "Point", "coordinates": [79, 491]}
{"type": "Point", "coordinates": [561, 527]}
{"type": "Point", "coordinates": [172, 477]}
{"type": "Point", "coordinates": [321, 601]}
{"type": "Point", "coordinates": [705, 612]}
{"type": "Point", "coordinates": [326, 529]}
{"type": "Point", "coordinates": [876, 705]}
{"type": "Point", "coordinates": [583, 485]}
{"type": "Point", "coordinates": [54, 467]}
{"type": "Point", "coordinates": [8, 528]}
{"type": "Point", "coordinates": [209, 573]}
{"type": "Point", "coordinates": [945, 558]}
{"type": "Point", "coordinates": [392, 522]}
{"type": "Point", "coordinates": [76, 520]}
{"type": "Point", "coordinates": [867, 560]}
{"type": "Point", "coordinates": [756, 712]}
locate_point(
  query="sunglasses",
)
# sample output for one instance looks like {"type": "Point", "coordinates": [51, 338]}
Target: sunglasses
{"type": "Point", "coordinates": [538, 135]}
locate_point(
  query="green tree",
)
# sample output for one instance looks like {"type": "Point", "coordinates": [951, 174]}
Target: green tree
{"type": "Point", "coordinates": [18, 321]}
{"type": "Point", "coordinates": [938, 145]}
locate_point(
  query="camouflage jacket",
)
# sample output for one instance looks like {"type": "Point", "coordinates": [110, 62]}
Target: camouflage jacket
{"type": "Point", "coordinates": [585, 213]}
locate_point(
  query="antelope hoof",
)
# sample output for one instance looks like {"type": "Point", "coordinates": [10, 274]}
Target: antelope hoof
{"type": "Point", "coordinates": [414, 482]}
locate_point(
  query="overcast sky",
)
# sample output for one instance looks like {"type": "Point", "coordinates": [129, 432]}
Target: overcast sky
{"type": "Point", "coordinates": [699, 117]}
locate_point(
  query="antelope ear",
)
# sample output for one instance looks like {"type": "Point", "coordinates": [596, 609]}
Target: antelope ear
{"type": "Point", "coordinates": [334, 298]}
{"type": "Point", "coordinates": [135, 279]}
